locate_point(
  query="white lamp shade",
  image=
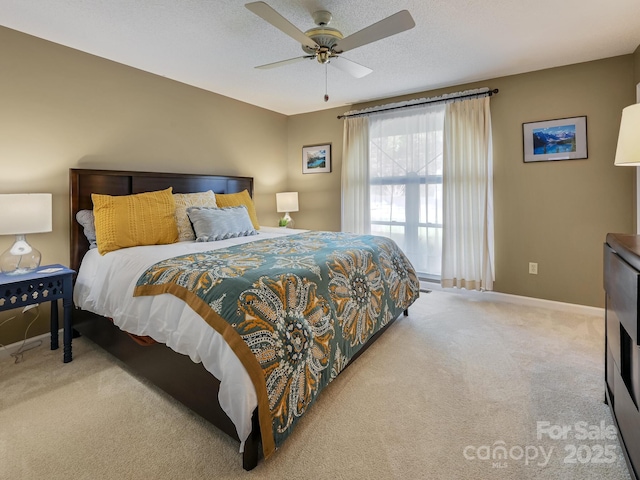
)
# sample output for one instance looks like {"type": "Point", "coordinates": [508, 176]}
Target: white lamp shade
{"type": "Point", "coordinates": [24, 213]}
{"type": "Point", "coordinates": [628, 150]}
{"type": "Point", "coordinates": [287, 202]}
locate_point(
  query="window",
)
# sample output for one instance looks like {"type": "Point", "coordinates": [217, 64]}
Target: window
{"type": "Point", "coordinates": [396, 181]}
{"type": "Point", "coordinates": [405, 172]}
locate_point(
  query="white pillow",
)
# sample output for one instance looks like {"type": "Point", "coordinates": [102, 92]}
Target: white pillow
{"type": "Point", "coordinates": [211, 224]}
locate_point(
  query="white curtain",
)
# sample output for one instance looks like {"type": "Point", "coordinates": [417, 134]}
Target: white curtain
{"type": "Point", "coordinates": [405, 161]}
{"type": "Point", "coordinates": [467, 236]}
{"type": "Point", "coordinates": [356, 217]}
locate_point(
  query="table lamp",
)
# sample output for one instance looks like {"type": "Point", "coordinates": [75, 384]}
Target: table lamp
{"type": "Point", "coordinates": [628, 150]}
{"type": "Point", "coordinates": [21, 214]}
{"type": "Point", "coordinates": [286, 202]}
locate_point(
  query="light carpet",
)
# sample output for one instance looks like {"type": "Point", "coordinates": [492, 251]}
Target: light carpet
{"type": "Point", "coordinates": [435, 397]}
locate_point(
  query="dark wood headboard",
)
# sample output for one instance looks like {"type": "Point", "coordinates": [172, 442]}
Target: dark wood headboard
{"type": "Point", "coordinates": [84, 182]}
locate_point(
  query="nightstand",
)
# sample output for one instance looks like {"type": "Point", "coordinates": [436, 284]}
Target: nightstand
{"type": "Point", "coordinates": [47, 284]}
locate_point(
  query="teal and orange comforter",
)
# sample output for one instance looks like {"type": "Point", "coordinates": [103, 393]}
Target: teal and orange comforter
{"type": "Point", "coordinates": [294, 309]}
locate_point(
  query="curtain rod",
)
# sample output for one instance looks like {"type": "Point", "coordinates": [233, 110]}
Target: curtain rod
{"type": "Point", "coordinates": [488, 93]}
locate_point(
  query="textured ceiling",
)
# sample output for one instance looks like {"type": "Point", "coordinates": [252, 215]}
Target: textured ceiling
{"type": "Point", "coordinates": [215, 44]}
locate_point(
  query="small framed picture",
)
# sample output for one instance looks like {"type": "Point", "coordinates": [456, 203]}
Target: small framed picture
{"type": "Point", "coordinates": [316, 159]}
{"type": "Point", "coordinates": [560, 139]}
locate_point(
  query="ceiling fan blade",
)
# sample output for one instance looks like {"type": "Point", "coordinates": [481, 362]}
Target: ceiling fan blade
{"type": "Point", "coordinates": [268, 14]}
{"type": "Point", "coordinates": [350, 67]}
{"type": "Point", "coordinates": [285, 62]}
{"type": "Point", "coordinates": [396, 23]}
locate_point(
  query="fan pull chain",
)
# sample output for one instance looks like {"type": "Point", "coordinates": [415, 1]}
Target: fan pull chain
{"type": "Point", "coordinates": [326, 92]}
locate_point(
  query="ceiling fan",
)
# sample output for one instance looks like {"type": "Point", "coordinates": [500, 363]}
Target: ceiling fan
{"type": "Point", "coordinates": [326, 44]}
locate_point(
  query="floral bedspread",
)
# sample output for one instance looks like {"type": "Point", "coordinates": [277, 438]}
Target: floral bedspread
{"type": "Point", "coordinates": [295, 309]}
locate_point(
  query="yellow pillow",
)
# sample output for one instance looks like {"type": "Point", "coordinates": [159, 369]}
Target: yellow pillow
{"type": "Point", "coordinates": [237, 199]}
{"type": "Point", "coordinates": [132, 220]}
{"type": "Point", "coordinates": [185, 200]}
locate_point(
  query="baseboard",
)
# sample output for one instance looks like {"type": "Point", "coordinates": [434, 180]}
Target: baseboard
{"type": "Point", "coordinates": [44, 338]}
{"type": "Point", "coordinates": [518, 300]}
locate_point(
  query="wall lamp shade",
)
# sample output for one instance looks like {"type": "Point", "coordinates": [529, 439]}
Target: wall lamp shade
{"type": "Point", "coordinates": [21, 214]}
{"type": "Point", "coordinates": [628, 150]}
{"type": "Point", "coordinates": [286, 202]}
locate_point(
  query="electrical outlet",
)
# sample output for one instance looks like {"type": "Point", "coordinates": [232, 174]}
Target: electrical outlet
{"type": "Point", "coordinates": [533, 268]}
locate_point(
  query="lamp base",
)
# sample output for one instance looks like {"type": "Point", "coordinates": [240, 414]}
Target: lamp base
{"type": "Point", "coordinates": [21, 258]}
{"type": "Point", "coordinates": [286, 221]}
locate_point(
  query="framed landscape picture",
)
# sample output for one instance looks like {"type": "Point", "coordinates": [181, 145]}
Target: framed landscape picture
{"type": "Point", "coordinates": [561, 139]}
{"type": "Point", "coordinates": [316, 159]}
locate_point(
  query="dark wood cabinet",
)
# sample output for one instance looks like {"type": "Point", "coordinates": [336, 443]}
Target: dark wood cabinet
{"type": "Point", "coordinates": [622, 351]}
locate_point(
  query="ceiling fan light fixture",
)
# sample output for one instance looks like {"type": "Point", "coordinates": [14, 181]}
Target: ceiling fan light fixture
{"type": "Point", "coordinates": [324, 55]}
{"type": "Point", "coordinates": [323, 36]}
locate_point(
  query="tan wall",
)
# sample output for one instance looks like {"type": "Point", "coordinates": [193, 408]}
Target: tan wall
{"type": "Point", "coordinates": [319, 194]}
{"type": "Point", "coordinates": [554, 213]}
{"type": "Point", "coordinates": [61, 108]}
{"type": "Point", "coordinates": [558, 213]}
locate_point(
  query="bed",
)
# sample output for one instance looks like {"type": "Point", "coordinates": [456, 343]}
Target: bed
{"type": "Point", "coordinates": [204, 332]}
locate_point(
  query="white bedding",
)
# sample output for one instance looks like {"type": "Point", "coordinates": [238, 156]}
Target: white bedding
{"type": "Point", "coordinates": [105, 286]}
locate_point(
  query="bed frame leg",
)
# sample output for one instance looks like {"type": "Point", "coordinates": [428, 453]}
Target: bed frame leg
{"type": "Point", "coordinates": [252, 445]}
{"type": "Point", "coordinates": [406, 312]}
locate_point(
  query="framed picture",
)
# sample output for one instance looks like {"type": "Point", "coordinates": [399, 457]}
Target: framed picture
{"type": "Point", "coordinates": [561, 139]}
{"type": "Point", "coordinates": [316, 159]}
